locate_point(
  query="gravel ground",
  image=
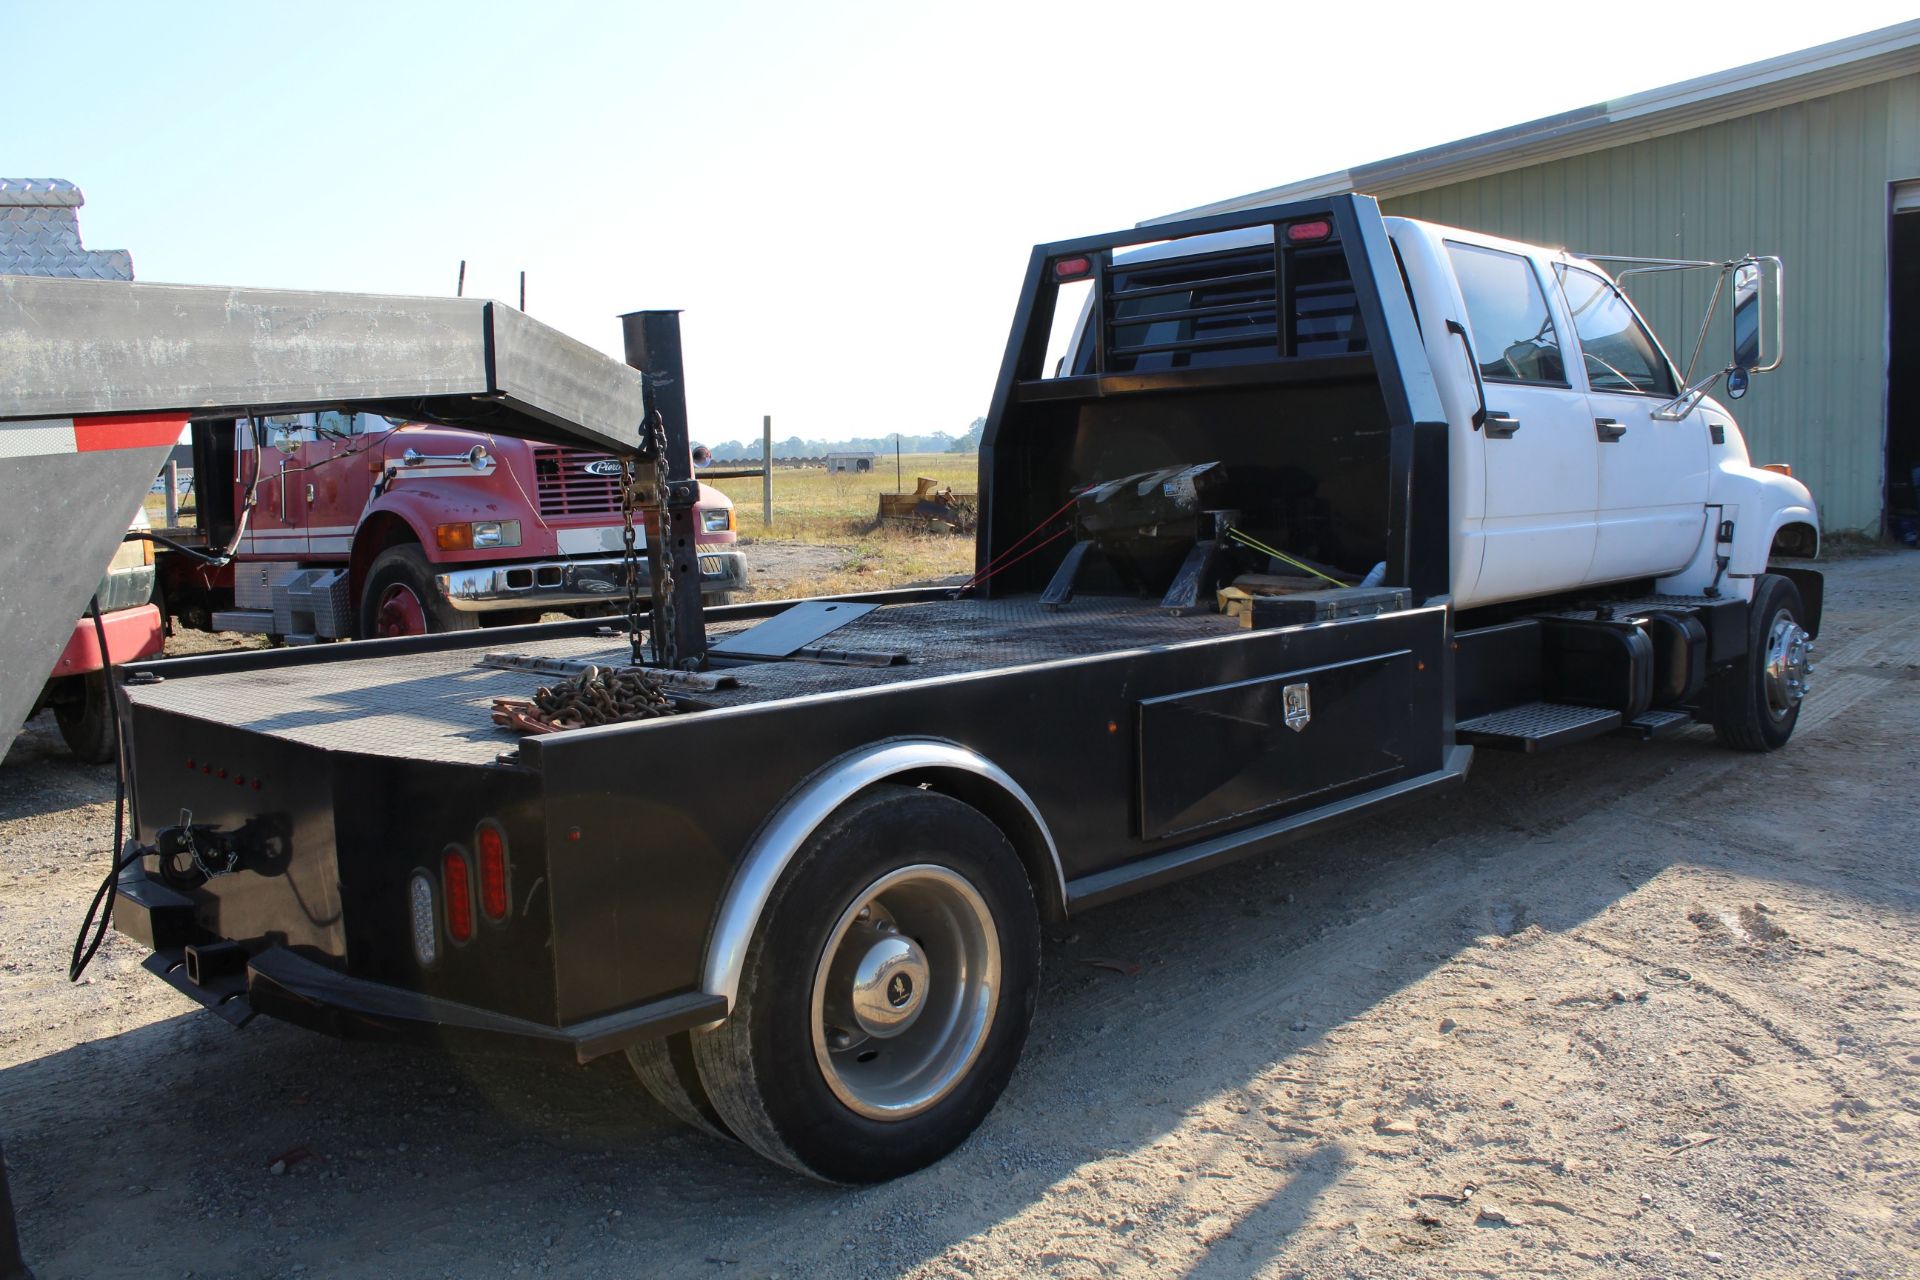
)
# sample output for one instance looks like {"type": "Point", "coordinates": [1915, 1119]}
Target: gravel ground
{"type": "Point", "coordinates": [1649, 1010]}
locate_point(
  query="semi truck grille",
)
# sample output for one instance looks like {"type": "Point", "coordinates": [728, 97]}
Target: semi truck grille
{"type": "Point", "coordinates": [568, 489]}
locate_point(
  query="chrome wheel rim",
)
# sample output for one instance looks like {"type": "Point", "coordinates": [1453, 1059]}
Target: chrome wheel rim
{"type": "Point", "coordinates": [904, 992]}
{"type": "Point", "coordinates": [1788, 665]}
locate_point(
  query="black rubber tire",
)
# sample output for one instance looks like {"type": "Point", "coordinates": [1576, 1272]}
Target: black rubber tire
{"type": "Point", "coordinates": [666, 1068]}
{"type": "Point", "coordinates": [406, 565]}
{"type": "Point", "coordinates": [86, 721]}
{"type": "Point", "coordinates": [1735, 699]}
{"type": "Point", "coordinates": [758, 1066]}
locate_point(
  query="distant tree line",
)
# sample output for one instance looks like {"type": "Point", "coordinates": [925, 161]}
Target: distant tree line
{"type": "Point", "coordinates": [795, 447]}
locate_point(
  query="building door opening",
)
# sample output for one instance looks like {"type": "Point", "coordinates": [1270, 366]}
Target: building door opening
{"type": "Point", "coordinates": [1903, 367]}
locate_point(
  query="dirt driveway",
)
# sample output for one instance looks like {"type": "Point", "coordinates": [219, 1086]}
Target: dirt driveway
{"type": "Point", "coordinates": [1647, 1010]}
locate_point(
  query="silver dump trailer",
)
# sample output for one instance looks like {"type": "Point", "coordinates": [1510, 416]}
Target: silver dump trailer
{"type": "Point", "coordinates": [98, 378]}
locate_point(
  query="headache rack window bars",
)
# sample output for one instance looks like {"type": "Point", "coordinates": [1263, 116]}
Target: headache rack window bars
{"type": "Point", "coordinates": [1211, 309]}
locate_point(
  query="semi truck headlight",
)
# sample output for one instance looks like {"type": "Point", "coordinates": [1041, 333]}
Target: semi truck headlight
{"type": "Point", "coordinates": [716, 519]}
{"type": "Point", "coordinates": [496, 533]}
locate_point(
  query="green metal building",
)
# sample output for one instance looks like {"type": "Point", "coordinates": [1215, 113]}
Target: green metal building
{"type": "Point", "coordinates": [1814, 156]}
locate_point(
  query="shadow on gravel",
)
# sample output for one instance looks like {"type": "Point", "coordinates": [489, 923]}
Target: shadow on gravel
{"type": "Point", "coordinates": [247, 1152]}
{"type": "Point", "coordinates": [39, 775]}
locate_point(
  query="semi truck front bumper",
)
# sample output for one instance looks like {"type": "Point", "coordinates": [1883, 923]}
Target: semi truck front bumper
{"type": "Point", "coordinates": [559, 584]}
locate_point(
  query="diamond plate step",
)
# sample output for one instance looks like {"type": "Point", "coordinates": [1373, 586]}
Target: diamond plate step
{"type": "Point", "coordinates": [1536, 726]}
{"type": "Point", "coordinates": [1654, 724]}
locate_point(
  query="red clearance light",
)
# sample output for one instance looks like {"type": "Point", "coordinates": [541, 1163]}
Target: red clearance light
{"type": "Point", "coordinates": [457, 889]}
{"type": "Point", "coordinates": [1072, 268]}
{"type": "Point", "coordinates": [490, 843]}
{"type": "Point", "coordinates": [1309, 232]}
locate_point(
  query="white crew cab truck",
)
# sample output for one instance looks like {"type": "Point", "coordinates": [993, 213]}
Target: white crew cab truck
{"type": "Point", "coordinates": [1526, 533]}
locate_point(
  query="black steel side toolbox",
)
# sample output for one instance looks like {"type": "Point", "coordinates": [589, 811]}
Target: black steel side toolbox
{"type": "Point", "coordinates": [1326, 606]}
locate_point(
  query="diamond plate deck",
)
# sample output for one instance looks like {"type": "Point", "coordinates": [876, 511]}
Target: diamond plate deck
{"type": "Point", "coordinates": [1536, 726]}
{"type": "Point", "coordinates": [436, 706]}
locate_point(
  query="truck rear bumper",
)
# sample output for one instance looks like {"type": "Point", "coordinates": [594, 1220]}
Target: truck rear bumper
{"type": "Point", "coordinates": [283, 984]}
{"type": "Point", "coordinates": [561, 583]}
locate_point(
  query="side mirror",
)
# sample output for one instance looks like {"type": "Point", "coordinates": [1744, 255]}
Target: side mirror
{"type": "Point", "coordinates": [1746, 319]}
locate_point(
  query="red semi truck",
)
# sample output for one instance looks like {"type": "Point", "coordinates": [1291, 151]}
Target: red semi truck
{"type": "Point", "coordinates": [354, 524]}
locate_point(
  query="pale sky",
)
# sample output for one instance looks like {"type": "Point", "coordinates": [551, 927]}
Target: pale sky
{"type": "Point", "coordinates": [839, 195]}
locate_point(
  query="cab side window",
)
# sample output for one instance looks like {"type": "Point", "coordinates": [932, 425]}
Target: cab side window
{"type": "Point", "coordinates": [1513, 335]}
{"type": "Point", "coordinates": [1619, 353]}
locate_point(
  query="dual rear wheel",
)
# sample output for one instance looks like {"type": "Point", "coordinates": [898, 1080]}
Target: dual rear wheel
{"type": "Point", "coordinates": [883, 1003]}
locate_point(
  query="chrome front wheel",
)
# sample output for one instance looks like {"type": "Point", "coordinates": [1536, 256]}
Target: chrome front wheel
{"type": "Point", "coordinates": [1787, 663]}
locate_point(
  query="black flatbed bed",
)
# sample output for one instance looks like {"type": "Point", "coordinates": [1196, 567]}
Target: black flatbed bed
{"type": "Point", "coordinates": [434, 705]}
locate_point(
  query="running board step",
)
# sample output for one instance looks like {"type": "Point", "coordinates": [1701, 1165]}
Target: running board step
{"type": "Point", "coordinates": [1536, 726]}
{"type": "Point", "coordinates": [1654, 724]}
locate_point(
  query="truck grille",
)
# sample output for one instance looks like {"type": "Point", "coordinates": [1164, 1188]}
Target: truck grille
{"type": "Point", "coordinates": [567, 490]}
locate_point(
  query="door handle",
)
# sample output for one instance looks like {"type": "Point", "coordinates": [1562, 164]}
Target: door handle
{"type": "Point", "coordinates": [1608, 430]}
{"type": "Point", "coordinates": [1501, 426]}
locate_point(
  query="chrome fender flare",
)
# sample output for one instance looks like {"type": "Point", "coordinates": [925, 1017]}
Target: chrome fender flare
{"type": "Point", "coordinates": [780, 840]}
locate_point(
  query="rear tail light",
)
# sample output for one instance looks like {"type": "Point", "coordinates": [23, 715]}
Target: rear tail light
{"type": "Point", "coordinates": [457, 884]}
{"type": "Point", "coordinates": [490, 844]}
{"type": "Point", "coordinates": [1072, 268]}
{"type": "Point", "coordinates": [1309, 232]}
{"type": "Point", "coordinates": [426, 934]}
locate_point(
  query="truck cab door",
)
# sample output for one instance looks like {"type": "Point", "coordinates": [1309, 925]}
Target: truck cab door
{"type": "Point", "coordinates": [1537, 443]}
{"type": "Point", "coordinates": [1652, 509]}
{"type": "Point", "coordinates": [277, 530]}
{"type": "Point", "coordinates": [338, 477]}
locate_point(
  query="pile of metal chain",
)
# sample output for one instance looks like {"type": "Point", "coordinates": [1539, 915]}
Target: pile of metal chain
{"type": "Point", "coordinates": [598, 695]}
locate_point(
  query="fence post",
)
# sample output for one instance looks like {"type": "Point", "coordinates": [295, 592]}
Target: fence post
{"type": "Point", "coordinates": [766, 471]}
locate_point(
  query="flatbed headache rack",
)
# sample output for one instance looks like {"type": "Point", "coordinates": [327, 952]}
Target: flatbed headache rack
{"type": "Point", "coordinates": [1317, 302]}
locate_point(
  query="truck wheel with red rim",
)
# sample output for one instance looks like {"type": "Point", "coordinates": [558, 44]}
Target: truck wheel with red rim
{"type": "Point", "coordinates": [886, 996]}
{"type": "Point", "coordinates": [400, 598]}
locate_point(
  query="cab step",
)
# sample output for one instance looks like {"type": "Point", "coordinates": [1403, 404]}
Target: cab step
{"type": "Point", "coordinates": [1536, 726]}
{"type": "Point", "coordinates": [1649, 725]}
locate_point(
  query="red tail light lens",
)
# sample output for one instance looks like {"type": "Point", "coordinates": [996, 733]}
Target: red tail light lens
{"type": "Point", "coordinates": [490, 843]}
{"type": "Point", "coordinates": [1072, 268]}
{"type": "Point", "coordinates": [457, 886]}
{"type": "Point", "coordinates": [1309, 232]}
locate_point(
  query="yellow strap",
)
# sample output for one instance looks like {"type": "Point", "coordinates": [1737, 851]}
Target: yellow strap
{"type": "Point", "coordinates": [1282, 556]}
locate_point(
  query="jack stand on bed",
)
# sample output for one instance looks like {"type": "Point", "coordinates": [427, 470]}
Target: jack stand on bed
{"type": "Point", "coordinates": [1207, 568]}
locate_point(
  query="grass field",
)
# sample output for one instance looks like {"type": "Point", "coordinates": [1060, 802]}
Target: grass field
{"type": "Point", "coordinates": [813, 506]}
